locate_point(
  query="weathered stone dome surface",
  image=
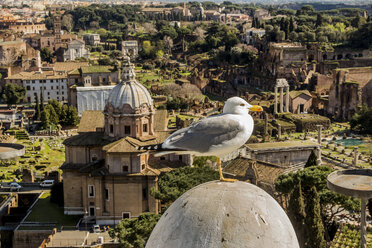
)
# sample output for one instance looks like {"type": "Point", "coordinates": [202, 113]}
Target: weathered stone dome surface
{"type": "Point", "coordinates": [222, 214]}
{"type": "Point", "coordinates": [132, 93]}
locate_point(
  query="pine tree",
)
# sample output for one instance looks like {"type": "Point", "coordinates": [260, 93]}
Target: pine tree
{"type": "Point", "coordinates": [312, 161]}
{"type": "Point", "coordinates": [313, 221]}
{"type": "Point", "coordinates": [37, 107]}
{"type": "Point", "coordinates": [297, 214]}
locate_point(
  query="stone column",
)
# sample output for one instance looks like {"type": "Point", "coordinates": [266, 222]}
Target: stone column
{"type": "Point", "coordinates": [319, 133]}
{"type": "Point", "coordinates": [276, 100]}
{"type": "Point", "coordinates": [319, 155]}
{"type": "Point", "coordinates": [266, 125]}
{"type": "Point", "coordinates": [279, 131]}
{"type": "Point", "coordinates": [355, 160]}
{"type": "Point", "coordinates": [281, 100]}
{"type": "Point", "coordinates": [287, 100]}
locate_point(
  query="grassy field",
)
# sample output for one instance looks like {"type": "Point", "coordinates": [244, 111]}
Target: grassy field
{"type": "Point", "coordinates": [45, 211]}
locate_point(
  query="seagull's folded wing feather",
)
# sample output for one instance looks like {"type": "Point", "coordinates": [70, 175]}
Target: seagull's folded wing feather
{"type": "Point", "coordinates": [204, 134]}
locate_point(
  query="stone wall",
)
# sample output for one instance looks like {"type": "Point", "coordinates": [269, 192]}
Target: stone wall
{"type": "Point", "coordinates": [350, 89]}
{"type": "Point", "coordinates": [29, 238]}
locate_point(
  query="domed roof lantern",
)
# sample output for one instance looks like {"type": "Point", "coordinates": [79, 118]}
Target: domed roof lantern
{"type": "Point", "coordinates": [128, 73]}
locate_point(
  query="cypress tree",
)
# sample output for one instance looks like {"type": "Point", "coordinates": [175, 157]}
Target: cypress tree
{"type": "Point", "coordinates": [41, 101]}
{"type": "Point", "coordinates": [296, 210]}
{"type": "Point", "coordinates": [312, 161]}
{"type": "Point", "coordinates": [37, 107]}
{"type": "Point", "coordinates": [291, 25]}
{"type": "Point", "coordinates": [44, 118]}
{"type": "Point", "coordinates": [313, 221]}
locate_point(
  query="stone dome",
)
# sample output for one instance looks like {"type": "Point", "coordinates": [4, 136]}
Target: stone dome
{"type": "Point", "coordinates": [129, 91]}
{"type": "Point", "coordinates": [132, 93]}
{"type": "Point", "coordinates": [222, 214]}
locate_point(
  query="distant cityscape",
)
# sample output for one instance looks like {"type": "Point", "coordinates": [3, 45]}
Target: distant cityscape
{"type": "Point", "coordinates": [92, 91]}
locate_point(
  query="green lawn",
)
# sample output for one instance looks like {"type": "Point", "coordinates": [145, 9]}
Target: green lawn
{"type": "Point", "coordinates": [46, 211]}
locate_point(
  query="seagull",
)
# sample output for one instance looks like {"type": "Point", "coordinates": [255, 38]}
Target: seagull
{"type": "Point", "coordinates": [216, 135]}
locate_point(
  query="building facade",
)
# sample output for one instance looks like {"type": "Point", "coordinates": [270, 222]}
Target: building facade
{"type": "Point", "coordinates": [75, 49]}
{"type": "Point", "coordinates": [53, 85]}
{"type": "Point", "coordinates": [105, 176]}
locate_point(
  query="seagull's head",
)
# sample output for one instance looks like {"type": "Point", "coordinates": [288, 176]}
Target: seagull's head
{"type": "Point", "coordinates": [237, 105]}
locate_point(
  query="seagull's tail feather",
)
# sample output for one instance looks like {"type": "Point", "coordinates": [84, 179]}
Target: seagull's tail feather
{"type": "Point", "coordinates": [157, 150]}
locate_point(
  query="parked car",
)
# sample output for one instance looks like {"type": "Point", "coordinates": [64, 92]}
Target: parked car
{"type": "Point", "coordinates": [15, 187]}
{"type": "Point", "coordinates": [47, 183]}
{"type": "Point", "coordinates": [96, 229]}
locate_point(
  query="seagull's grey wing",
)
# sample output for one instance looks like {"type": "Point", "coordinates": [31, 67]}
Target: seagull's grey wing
{"type": "Point", "coordinates": [204, 134]}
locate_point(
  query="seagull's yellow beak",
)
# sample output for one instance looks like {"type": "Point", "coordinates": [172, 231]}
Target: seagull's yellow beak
{"type": "Point", "coordinates": [255, 108]}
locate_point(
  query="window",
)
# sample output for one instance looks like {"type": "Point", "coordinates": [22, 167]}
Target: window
{"type": "Point", "coordinates": [62, 87]}
{"type": "Point", "coordinates": [63, 98]}
{"type": "Point", "coordinates": [51, 87]}
{"type": "Point", "coordinates": [144, 194]}
{"type": "Point", "coordinates": [33, 88]}
{"type": "Point", "coordinates": [127, 129]}
{"type": "Point", "coordinates": [90, 191]}
{"type": "Point", "coordinates": [125, 168]}
{"type": "Point", "coordinates": [162, 158]}
{"type": "Point", "coordinates": [126, 215]}
{"type": "Point", "coordinates": [48, 93]}
{"type": "Point", "coordinates": [107, 194]}
{"type": "Point", "coordinates": [180, 157]}
{"type": "Point", "coordinates": [28, 88]}
{"type": "Point", "coordinates": [57, 87]}
{"type": "Point", "coordinates": [111, 128]}
{"type": "Point", "coordinates": [144, 127]}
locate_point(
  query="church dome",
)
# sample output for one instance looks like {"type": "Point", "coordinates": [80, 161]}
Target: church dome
{"type": "Point", "coordinates": [222, 214]}
{"type": "Point", "coordinates": [129, 91]}
{"type": "Point", "coordinates": [132, 93]}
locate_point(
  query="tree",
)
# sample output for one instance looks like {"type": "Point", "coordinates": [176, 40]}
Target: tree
{"type": "Point", "coordinates": [296, 210]}
{"type": "Point", "coordinates": [362, 121]}
{"type": "Point", "coordinates": [312, 160]}
{"type": "Point", "coordinates": [134, 233]}
{"type": "Point", "coordinates": [68, 22]}
{"type": "Point", "coordinates": [183, 32]}
{"type": "Point", "coordinates": [56, 105]}
{"type": "Point", "coordinates": [199, 33]}
{"type": "Point", "coordinates": [330, 201]}
{"type": "Point", "coordinates": [46, 55]}
{"type": "Point", "coordinates": [176, 182]}
{"type": "Point", "coordinates": [200, 161]}
{"type": "Point", "coordinates": [53, 117]}
{"type": "Point", "coordinates": [63, 115]}
{"type": "Point", "coordinates": [72, 117]}
{"type": "Point", "coordinates": [41, 101]}
{"type": "Point", "coordinates": [313, 221]}
{"type": "Point", "coordinates": [291, 24]}
{"type": "Point", "coordinates": [44, 119]}
{"type": "Point", "coordinates": [13, 93]}
{"type": "Point", "coordinates": [37, 107]}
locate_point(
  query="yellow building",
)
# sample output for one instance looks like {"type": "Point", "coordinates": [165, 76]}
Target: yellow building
{"type": "Point", "coordinates": [105, 177]}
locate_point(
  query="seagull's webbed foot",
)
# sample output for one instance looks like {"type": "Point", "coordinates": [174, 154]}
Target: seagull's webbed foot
{"type": "Point", "coordinates": [222, 179]}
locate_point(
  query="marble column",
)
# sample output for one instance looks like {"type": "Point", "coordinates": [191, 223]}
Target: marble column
{"type": "Point", "coordinates": [319, 133]}
{"type": "Point", "coordinates": [355, 160]}
{"type": "Point", "coordinates": [276, 100]}
{"type": "Point", "coordinates": [287, 99]}
{"type": "Point", "coordinates": [363, 224]}
{"type": "Point", "coordinates": [281, 100]}
{"type": "Point", "coordinates": [319, 155]}
{"type": "Point", "coordinates": [279, 131]}
{"type": "Point", "coordinates": [266, 125]}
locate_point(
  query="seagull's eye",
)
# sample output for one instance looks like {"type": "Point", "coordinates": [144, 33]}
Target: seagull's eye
{"type": "Point", "coordinates": [242, 104]}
